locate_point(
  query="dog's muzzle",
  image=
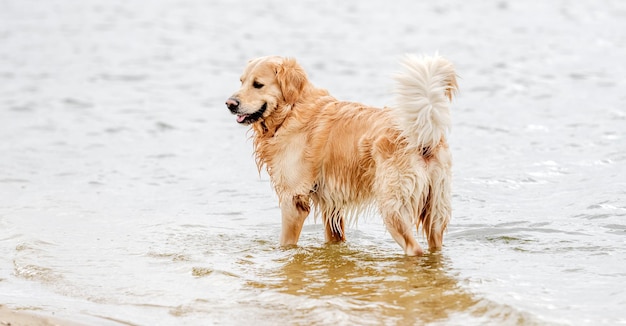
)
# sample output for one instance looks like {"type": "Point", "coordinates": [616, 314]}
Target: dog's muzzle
{"type": "Point", "coordinates": [244, 118]}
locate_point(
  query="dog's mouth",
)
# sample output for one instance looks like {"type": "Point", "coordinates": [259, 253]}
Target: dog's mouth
{"type": "Point", "coordinates": [253, 117]}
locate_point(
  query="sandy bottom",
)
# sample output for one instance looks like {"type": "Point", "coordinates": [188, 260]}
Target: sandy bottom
{"type": "Point", "coordinates": [10, 317]}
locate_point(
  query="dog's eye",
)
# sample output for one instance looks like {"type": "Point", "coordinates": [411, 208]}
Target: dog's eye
{"type": "Point", "coordinates": [256, 84]}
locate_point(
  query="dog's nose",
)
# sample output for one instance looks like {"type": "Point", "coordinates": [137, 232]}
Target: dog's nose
{"type": "Point", "coordinates": [232, 104]}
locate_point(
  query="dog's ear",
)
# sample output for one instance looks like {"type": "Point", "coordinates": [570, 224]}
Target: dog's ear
{"type": "Point", "coordinates": [291, 78]}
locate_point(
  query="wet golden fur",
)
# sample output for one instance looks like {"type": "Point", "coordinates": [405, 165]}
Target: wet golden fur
{"type": "Point", "coordinates": [344, 158]}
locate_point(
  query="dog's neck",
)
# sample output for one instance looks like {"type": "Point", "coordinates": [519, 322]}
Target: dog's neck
{"type": "Point", "coordinates": [267, 127]}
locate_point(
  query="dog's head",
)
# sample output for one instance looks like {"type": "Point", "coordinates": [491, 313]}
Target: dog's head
{"type": "Point", "coordinates": [269, 87]}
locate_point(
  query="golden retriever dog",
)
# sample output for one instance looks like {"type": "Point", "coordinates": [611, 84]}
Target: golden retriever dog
{"type": "Point", "coordinates": [345, 158]}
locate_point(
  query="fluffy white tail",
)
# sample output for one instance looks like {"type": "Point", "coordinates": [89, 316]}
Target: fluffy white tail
{"type": "Point", "coordinates": [424, 91]}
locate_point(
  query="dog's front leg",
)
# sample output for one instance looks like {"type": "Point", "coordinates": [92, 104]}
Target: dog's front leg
{"type": "Point", "coordinates": [294, 211]}
{"type": "Point", "coordinates": [334, 226]}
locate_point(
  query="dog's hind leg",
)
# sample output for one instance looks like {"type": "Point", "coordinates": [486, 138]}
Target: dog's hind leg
{"type": "Point", "coordinates": [294, 211]}
{"type": "Point", "coordinates": [400, 197]}
{"type": "Point", "coordinates": [437, 210]}
{"type": "Point", "coordinates": [436, 214]}
{"type": "Point", "coordinates": [402, 232]}
{"type": "Point", "coordinates": [334, 227]}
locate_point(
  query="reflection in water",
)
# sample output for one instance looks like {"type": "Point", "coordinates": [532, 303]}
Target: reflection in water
{"type": "Point", "coordinates": [334, 281]}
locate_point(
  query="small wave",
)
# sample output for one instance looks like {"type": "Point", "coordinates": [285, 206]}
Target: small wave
{"type": "Point", "coordinates": [14, 180]}
{"type": "Point", "coordinates": [36, 273]}
{"type": "Point", "coordinates": [206, 271]}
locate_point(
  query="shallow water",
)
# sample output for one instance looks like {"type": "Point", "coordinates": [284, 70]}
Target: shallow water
{"type": "Point", "coordinates": [128, 194]}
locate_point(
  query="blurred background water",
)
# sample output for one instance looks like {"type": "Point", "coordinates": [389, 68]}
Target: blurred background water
{"type": "Point", "coordinates": [129, 195]}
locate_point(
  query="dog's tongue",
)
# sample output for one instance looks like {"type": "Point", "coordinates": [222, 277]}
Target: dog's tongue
{"type": "Point", "coordinates": [240, 118]}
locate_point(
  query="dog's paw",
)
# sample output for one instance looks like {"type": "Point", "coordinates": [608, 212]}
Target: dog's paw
{"type": "Point", "coordinates": [413, 250]}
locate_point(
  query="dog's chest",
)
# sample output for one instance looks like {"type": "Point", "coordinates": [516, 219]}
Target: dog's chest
{"type": "Point", "coordinates": [288, 167]}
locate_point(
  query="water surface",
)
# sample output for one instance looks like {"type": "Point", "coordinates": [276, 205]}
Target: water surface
{"type": "Point", "coordinates": [128, 194]}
